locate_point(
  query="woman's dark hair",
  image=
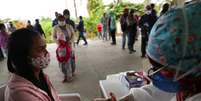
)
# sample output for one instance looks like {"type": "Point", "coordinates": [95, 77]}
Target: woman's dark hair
{"type": "Point", "coordinates": [61, 18]}
{"type": "Point", "coordinates": [152, 5]}
{"type": "Point", "coordinates": [19, 50]}
{"type": "Point", "coordinates": [80, 17]}
{"type": "Point", "coordinates": [29, 21]}
{"type": "Point", "coordinates": [148, 7]}
{"type": "Point", "coordinates": [20, 44]}
{"type": "Point", "coordinates": [37, 20]}
{"type": "Point", "coordinates": [66, 12]}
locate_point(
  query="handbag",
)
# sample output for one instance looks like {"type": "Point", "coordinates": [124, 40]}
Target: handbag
{"type": "Point", "coordinates": [63, 52]}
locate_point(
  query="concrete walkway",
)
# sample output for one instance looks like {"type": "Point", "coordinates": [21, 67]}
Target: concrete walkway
{"type": "Point", "coordinates": [94, 62]}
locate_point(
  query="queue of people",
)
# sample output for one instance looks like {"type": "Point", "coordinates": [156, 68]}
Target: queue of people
{"type": "Point", "coordinates": [172, 45]}
{"type": "Point", "coordinates": [107, 27]}
{"type": "Point", "coordinates": [129, 28]}
{"type": "Point", "coordinates": [129, 22]}
{"type": "Point", "coordinates": [173, 51]}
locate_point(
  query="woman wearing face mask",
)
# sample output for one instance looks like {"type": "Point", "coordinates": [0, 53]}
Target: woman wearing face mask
{"type": "Point", "coordinates": [175, 54]}
{"type": "Point", "coordinates": [63, 36]}
{"type": "Point", "coordinates": [27, 57]}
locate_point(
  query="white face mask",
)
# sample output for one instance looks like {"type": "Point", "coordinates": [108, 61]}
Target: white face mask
{"type": "Point", "coordinates": [148, 12]}
{"type": "Point", "coordinates": [41, 62]}
{"type": "Point", "coordinates": [62, 23]}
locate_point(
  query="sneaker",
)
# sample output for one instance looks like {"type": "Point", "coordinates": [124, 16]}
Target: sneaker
{"type": "Point", "coordinates": [69, 79]}
{"type": "Point", "coordinates": [113, 43]}
{"type": "Point", "coordinates": [64, 80]}
{"type": "Point", "coordinates": [85, 44]}
{"type": "Point", "coordinates": [134, 50]}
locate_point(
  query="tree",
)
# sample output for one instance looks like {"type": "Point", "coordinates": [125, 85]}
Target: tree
{"type": "Point", "coordinates": [1, 21]}
{"type": "Point", "coordinates": [6, 20]}
{"type": "Point", "coordinates": [147, 2]}
{"type": "Point", "coordinates": [94, 7]}
{"type": "Point", "coordinates": [95, 10]}
{"type": "Point", "coordinates": [118, 8]}
{"type": "Point", "coordinates": [46, 24]}
{"type": "Point", "coordinates": [119, 1]}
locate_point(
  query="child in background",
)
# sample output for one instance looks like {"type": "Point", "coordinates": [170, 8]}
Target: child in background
{"type": "Point", "coordinates": [99, 29]}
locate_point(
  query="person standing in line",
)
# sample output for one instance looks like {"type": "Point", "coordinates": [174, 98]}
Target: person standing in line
{"type": "Point", "coordinates": [165, 8]}
{"type": "Point", "coordinates": [11, 27]}
{"type": "Point", "coordinates": [99, 28]}
{"type": "Point", "coordinates": [66, 14]}
{"type": "Point", "coordinates": [145, 26]}
{"type": "Point", "coordinates": [55, 21]}
{"type": "Point", "coordinates": [153, 16]}
{"type": "Point", "coordinates": [3, 41]}
{"type": "Point", "coordinates": [63, 36]}
{"type": "Point", "coordinates": [132, 30]}
{"type": "Point", "coordinates": [112, 27]}
{"type": "Point", "coordinates": [29, 26]}
{"type": "Point", "coordinates": [137, 18]}
{"type": "Point", "coordinates": [124, 26]}
{"type": "Point", "coordinates": [38, 28]}
{"type": "Point", "coordinates": [104, 23]}
{"type": "Point", "coordinates": [80, 28]}
{"type": "Point", "coordinates": [153, 11]}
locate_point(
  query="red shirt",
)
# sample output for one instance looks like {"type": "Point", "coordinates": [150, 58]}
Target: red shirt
{"type": "Point", "coordinates": [99, 27]}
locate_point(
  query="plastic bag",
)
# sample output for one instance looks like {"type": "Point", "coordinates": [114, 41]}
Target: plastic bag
{"type": "Point", "coordinates": [63, 52]}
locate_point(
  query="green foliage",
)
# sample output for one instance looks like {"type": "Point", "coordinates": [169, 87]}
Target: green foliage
{"type": "Point", "coordinates": [1, 21]}
{"type": "Point", "coordinates": [18, 24]}
{"type": "Point", "coordinates": [5, 20]}
{"type": "Point", "coordinates": [90, 25]}
{"type": "Point", "coordinates": [95, 9]}
{"type": "Point", "coordinates": [118, 8]}
{"type": "Point", "coordinates": [46, 24]}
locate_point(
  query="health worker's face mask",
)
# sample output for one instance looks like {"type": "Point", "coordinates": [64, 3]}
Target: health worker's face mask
{"type": "Point", "coordinates": [163, 82]}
